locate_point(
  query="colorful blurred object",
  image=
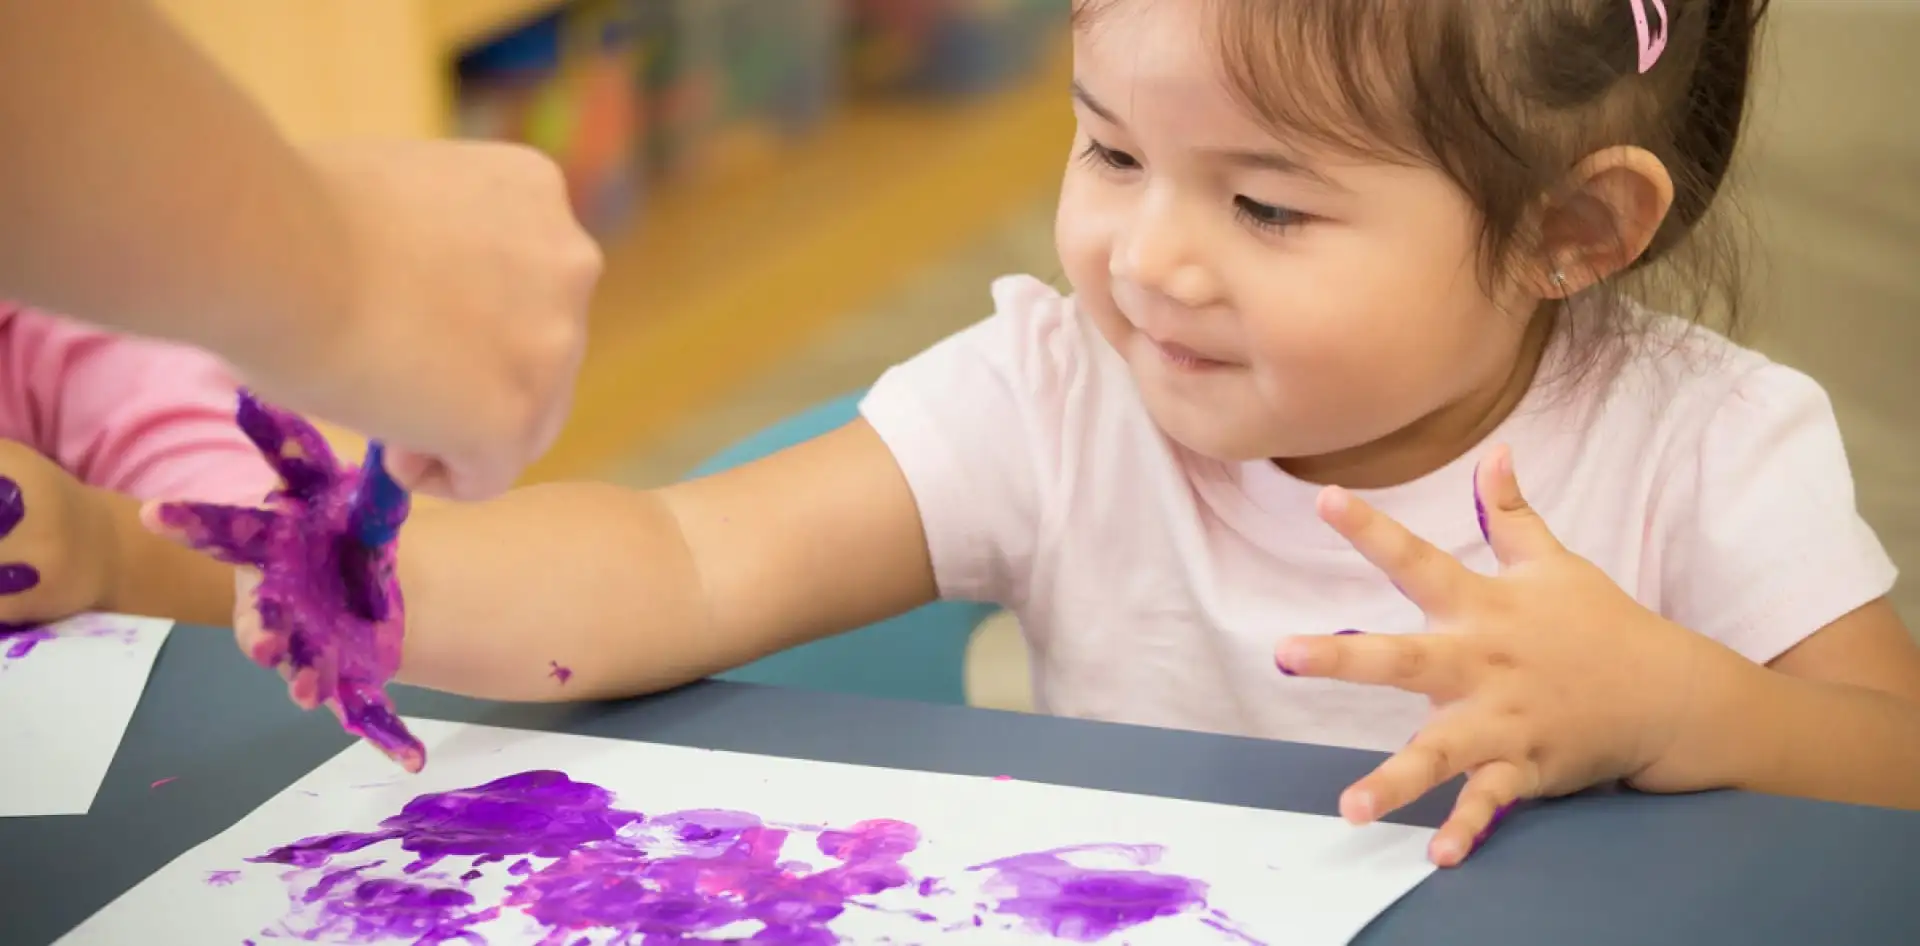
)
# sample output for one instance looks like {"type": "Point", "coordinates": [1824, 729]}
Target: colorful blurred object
{"type": "Point", "coordinates": [564, 84]}
{"type": "Point", "coordinates": [732, 79]}
{"type": "Point", "coordinates": [948, 47]}
{"type": "Point", "coordinates": [618, 91]}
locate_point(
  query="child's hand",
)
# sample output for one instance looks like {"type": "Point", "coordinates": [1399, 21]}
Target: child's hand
{"type": "Point", "coordinates": [1545, 680]}
{"type": "Point", "coordinates": [316, 594]}
{"type": "Point", "coordinates": [57, 545]}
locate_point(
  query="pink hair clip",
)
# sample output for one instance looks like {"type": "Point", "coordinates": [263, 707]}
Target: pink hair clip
{"type": "Point", "coordinates": [1653, 41]}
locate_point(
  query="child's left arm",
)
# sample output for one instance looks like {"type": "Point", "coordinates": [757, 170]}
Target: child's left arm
{"type": "Point", "coordinates": [1549, 678]}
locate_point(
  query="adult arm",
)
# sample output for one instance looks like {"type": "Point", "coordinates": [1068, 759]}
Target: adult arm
{"type": "Point", "coordinates": [433, 294]}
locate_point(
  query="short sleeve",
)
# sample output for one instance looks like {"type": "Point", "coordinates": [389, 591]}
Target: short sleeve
{"type": "Point", "coordinates": [148, 419]}
{"type": "Point", "coordinates": [1765, 544]}
{"type": "Point", "coordinates": [975, 423]}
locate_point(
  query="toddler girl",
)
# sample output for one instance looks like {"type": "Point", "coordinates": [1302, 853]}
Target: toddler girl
{"type": "Point", "coordinates": [91, 423]}
{"type": "Point", "coordinates": [1356, 342]}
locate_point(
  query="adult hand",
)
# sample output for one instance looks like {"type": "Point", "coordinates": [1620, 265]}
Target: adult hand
{"type": "Point", "coordinates": [1544, 680]}
{"type": "Point", "coordinates": [467, 321]}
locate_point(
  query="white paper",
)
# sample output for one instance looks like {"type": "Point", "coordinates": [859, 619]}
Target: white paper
{"type": "Point", "coordinates": [66, 700]}
{"type": "Point", "coordinates": [1272, 877]}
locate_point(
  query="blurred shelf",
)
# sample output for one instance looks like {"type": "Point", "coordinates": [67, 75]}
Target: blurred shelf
{"type": "Point", "coordinates": [458, 24]}
{"type": "Point", "coordinates": [722, 279]}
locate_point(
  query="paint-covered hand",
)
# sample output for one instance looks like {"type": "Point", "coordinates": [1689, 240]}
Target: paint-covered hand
{"type": "Point", "coordinates": [318, 597]}
{"type": "Point", "coordinates": [57, 540]}
{"type": "Point", "coordinates": [1545, 680]}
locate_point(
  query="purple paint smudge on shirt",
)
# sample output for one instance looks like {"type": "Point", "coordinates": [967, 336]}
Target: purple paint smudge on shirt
{"type": "Point", "coordinates": [162, 781]}
{"type": "Point", "coordinates": [617, 876]}
{"type": "Point", "coordinates": [329, 603]}
{"type": "Point", "coordinates": [559, 673]}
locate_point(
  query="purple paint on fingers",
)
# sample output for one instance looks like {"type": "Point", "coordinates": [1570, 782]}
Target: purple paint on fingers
{"type": "Point", "coordinates": [16, 577]}
{"type": "Point", "coordinates": [13, 506]}
{"type": "Point", "coordinates": [330, 607]}
{"type": "Point", "coordinates": [1480, 507]}
{"type": "Point", "coordinates": [1499, 815]}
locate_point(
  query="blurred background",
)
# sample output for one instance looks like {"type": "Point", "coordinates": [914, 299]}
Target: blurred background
{"type": "Point", "coordinates": [795, 194]}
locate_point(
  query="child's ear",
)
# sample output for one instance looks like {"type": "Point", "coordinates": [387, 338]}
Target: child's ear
{"type": "Point", "coordinates": [1604, 219]}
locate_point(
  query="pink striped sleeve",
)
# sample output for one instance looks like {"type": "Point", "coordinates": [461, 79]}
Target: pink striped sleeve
{"type": "Point", "coordinates": [144, 418]}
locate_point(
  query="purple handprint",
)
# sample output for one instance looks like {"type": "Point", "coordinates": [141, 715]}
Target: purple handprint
{"type": "Point", "coordinates": [329, 604]}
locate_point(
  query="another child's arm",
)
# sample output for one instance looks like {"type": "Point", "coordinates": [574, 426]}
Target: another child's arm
{"type": "Point", "coordinates": [636, 591]}
{"type": "Point", "coordinates": [114, 420]}
{"type": "Point", "coordinates": [66, 548]}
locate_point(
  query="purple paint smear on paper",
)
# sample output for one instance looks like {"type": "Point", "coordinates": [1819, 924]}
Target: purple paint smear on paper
{"type": "Point", "coordinates": [1050, 894]}
{"type": "Point", "coordinates": [614, 876]}
{"type": "Point", "coordinates": [222, 878]}
{"type": "Point", "coordinates": [17, 641]}
{"type": "Point", "coordinates": [329, 602]}
{"type": "Point", "coordinates": [21, 639]}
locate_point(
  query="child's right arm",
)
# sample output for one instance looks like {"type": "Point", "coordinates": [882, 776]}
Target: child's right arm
{"type": "Point", "coordinates": [637, 591]}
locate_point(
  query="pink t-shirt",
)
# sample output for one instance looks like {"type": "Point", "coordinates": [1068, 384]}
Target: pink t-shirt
{"type": "Point", "coordinates": [144, 418]}
{"type": "Point", "coordinates": [1152, 584]}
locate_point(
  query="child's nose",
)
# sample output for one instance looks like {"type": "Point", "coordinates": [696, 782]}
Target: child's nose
{"type": "Point", "coordinates": [1157, 253]}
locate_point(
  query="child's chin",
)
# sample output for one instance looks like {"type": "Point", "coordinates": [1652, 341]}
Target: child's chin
{"type": "Point", "coordinates": [1210, 439]}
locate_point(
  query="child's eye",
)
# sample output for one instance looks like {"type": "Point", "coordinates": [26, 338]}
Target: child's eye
{"type": "Point", "coordinates": [1117, 160]}
{"type": "Point", "coordinates": [1267, 216]}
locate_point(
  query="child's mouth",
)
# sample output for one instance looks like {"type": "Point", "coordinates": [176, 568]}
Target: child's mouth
{"type": "Point", "coordinates": [1186, 359]}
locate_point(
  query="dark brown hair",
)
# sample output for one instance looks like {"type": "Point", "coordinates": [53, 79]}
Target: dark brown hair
{"type": "Point", "coordinates": [1505, 97]}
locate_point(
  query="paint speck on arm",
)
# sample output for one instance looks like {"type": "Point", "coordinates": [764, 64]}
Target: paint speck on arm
{"type": "Point", "coordinates": [162, 781]}
{"type": "Point", "coordinates": [562, 674]}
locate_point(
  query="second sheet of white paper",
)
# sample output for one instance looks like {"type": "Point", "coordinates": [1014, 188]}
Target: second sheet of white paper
{"type": "Point", "coordinates": [67, 695]}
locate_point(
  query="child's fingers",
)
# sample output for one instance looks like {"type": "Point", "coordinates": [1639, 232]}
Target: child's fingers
{"type": "Point", "coordinates": [1455, 742]}
{"type": "Point", "coordinates": [304, 688]}
{"type": "Point", "coordinates": [237, 535]}
{"type": "Point", "coordinates": [292, 446]}
{"type": "Point", "coordinates": [1428, 577]}
{"type": "Point", "coordinates": [1489, 794]}
{"type": "Point", "coordinates": [1432, 664]}
{"type": "Point", "coordinates": [265, 649]}
{"type": "Point", "coordinates": [1510, 525]}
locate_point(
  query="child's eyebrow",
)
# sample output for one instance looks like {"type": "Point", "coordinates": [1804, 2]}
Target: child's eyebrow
{"type": "Point", "coordinates": [1081, 95]}
{"type": "Point", "coordinates": [1282, 163]}
{"type": "Point", "coordinates": [1257, 160]}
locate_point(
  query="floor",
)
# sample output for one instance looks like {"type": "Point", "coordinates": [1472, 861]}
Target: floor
{"type": "Point", "coordinates": [1833, 196]}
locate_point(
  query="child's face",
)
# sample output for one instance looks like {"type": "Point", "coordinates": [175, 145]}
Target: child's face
{"type": "Point", "coordinates": [1272, 299]}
